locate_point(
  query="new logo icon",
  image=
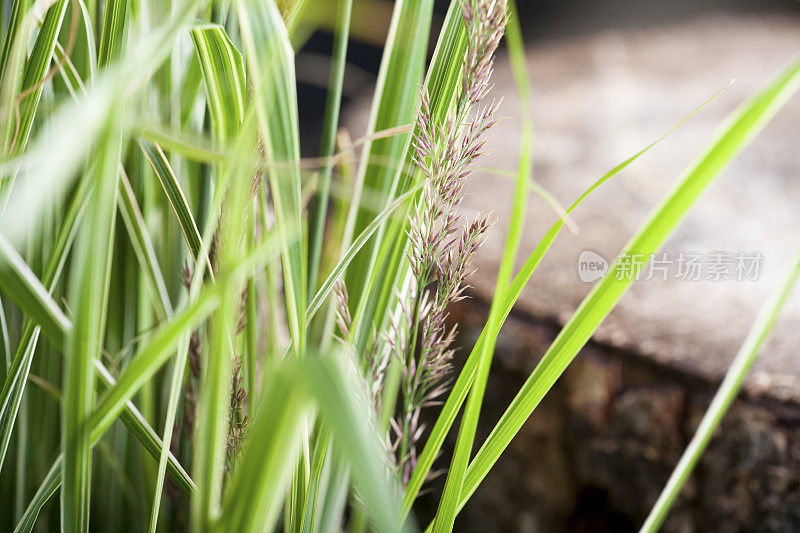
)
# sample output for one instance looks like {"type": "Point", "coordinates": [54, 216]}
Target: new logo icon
{"type": "Point", "coordinates": [591, 266]}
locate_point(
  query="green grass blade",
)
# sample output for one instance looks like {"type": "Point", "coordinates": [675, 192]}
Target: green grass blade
{"type": "Point", "coordinates": [89, 285]}
{"type": "Point", "coordinates": [312, 501]}
{"type": "Point", "coordinates": [344, 408]}
{"type": "Point", "coordinates": [742, 127]}
{"type": "Point", "coordinates": [15, 55]}
{"type": "Point", "coordinates": [177, 200]}
{"type": "Point", "coordinates": [48, 487]}
{"type": "Point", "coordinates": [175, 389]}
{"type": "Point", "coordinates": [113, 37]}
{"type": "Point", "coordinates": [723, 398]}
{"type": "Point", "coordinates": [214, 404]}
{"type": "Point", "coordinates": [143, 247]}
{"type": "Point", "coordinates": [88, 295]}
{"type": "Point", "coordinates": [317, 222]}
{"type": "Point", "coordinates": [15, 383]}
{"type": "Point", "coordinates": [20, 284]}
{"type": "Point", "coordinates": [36, 70]}
{"type": "Point", "coordinates": [329, 129]}
{"type": "Point", "coordinates": [388, 260]}
{"type": "Point", "coordinates": [394, 104]}
{"type": "Point", "coordinates": [263, 475]}
{"type": "Point", "coordinates": [270, 61]}
{"type": "Point", "coordinates": [192, 148]}
{"type": "Point", "coordinates": [223, 73]}
{"type": "Point", "coordinates": [327, 145]}
{"type": "Point", "coordinates": [5, 344]}
{"type": "Point", "coordinates": [19, 8]}
{"type": "Point", "coordinates": [82, 61]}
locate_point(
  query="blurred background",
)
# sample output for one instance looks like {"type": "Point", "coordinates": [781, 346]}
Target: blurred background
{"type": "Point", "coordinates": [609, 78]}
{"type": "Point", "coordinates": [542, 21]}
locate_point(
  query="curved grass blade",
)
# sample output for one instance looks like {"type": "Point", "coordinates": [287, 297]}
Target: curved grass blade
{"type": "Point", "coordinates": [344, 409]}
{"type": "Point", "coordinates": [48, 487]}
{"type": "Point", "coordinates": [222, 67]}
{"type": "Point", "coordinates": [741, 128]}
{"type": "Point", "coordinates": [722, 399]}
{"type": "Point", "coordinates": [196, 148]}
{"type": "Point", "coordinates": [21, 285]}
{"type": "Point", "coordinates": [295, 391]}
{"type": "Point", "coordinates": [354, 248]}
{"type": "Point", "coordinates": [177, 200]}
{"type": "Point", "coordinates": [192, 148]}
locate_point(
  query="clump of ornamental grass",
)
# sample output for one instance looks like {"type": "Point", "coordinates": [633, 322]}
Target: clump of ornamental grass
{"type": "Point", "coordinates": [154, 155]}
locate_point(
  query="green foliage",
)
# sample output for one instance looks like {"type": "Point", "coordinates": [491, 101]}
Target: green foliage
{"type": "Point", "coordinates": [192, 345]}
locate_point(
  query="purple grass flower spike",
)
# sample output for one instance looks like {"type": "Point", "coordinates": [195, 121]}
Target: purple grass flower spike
{"type": "Point", "coordinates": [441, 247]}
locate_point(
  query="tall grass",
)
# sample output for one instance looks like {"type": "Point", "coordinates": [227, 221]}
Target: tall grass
{"type": "Point", "coordinates": [202, 330]}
